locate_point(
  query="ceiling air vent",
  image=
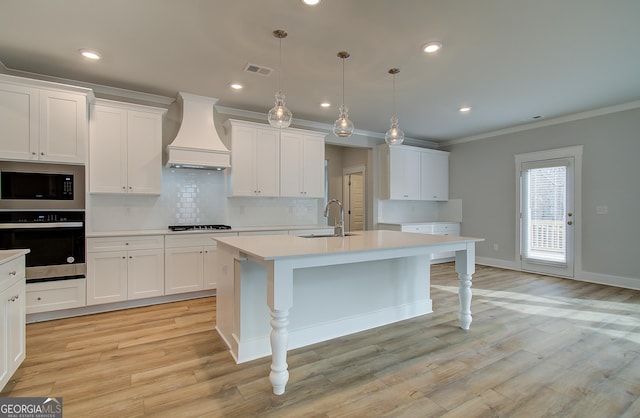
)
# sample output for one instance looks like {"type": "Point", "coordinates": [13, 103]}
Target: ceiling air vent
{"type": "Point", "coordinates": [257, 69]}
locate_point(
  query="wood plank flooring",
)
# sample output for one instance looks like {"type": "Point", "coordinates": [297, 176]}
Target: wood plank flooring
{"type": "Point", "coordinates": [538, 347]}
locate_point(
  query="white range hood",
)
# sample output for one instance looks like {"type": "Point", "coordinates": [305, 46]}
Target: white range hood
{"type": "Point", "coordinates": [197, 144]}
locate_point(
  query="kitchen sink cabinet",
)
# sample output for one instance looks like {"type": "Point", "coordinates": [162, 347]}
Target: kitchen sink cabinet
{"type": "Point", "coordinates": [301, 164]}
{"type": "Point", "coordinates": [413, 173]}
{"type": "Point", "coordinates": [125, 148]}
{"type": "Point", "coordinates": [12, 318]}
{"type": "Point", "coordinates": [255, 159]}
{"type": "Point", "coordinates": [124, 268]}
{"type": "Point", "coordinates": [42, 121]}
{"type": "Point", "coordinates": [190, 262]}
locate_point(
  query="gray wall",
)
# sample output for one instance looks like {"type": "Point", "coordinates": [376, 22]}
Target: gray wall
{"type": "Point", "coordinates": [482, 174]}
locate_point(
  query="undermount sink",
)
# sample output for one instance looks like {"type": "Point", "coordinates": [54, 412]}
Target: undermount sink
{"type": "Point", "coordinates": [325, 236]}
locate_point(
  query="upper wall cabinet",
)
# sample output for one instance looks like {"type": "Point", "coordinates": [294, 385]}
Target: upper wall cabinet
{"type": "Point", "coordinates": [412, 173]}
{"type": "Point", "coordinates": [301, 164]}
{"type": "Point", "coordinates": [125, 148]}
{"type": "Point", "coordinates": [255, 159]}
{"type": "Point", "coordinates": [434, 175]}
{"type": "Point", "coordinates": [41, 121]}
{"type": "Point", "coordinates": [274, 162]}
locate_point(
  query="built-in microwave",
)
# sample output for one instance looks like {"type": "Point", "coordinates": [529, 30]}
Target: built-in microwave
{"type": "Point", "coordinates": [36, 186]}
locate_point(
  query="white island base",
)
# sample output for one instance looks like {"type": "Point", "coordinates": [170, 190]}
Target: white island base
{"type": "Point", "coordinates": [283, 292]}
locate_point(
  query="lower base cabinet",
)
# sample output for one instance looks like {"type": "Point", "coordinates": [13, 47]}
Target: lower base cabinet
{"type": "Point", "coordinates": [434, 228]}
{"type": "Point", "coordinates": [56, 295]}
{"type": "Point", "coordinates": [190, 262]}
{"type": "Point", "coordinates": [124, 268]}
{"type": "Point", "coordinates": [12, 318]}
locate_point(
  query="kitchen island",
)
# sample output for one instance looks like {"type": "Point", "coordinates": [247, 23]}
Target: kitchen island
{"type": "Point", "coordinates": [283, 292]}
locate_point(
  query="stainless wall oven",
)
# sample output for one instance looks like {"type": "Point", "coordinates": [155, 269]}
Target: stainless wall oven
{"type": "Point", "coordinates": [56, 241]}
{"type": "Point", "coordinates": [42, 208]}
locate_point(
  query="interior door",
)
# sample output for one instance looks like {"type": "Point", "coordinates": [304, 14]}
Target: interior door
{"type": "Point", "coordinates": [353, 200]}
{"type": "Point", "coordinates": [547, 221]}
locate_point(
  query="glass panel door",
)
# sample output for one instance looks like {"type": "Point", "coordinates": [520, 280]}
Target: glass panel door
{"type": "Point", "coordinates": [546, 215]}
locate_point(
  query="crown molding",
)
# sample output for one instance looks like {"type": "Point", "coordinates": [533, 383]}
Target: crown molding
{"type": "Point", "coordinates": [98, 89]}
{"type": "Point", "coordinates": [543, 123]}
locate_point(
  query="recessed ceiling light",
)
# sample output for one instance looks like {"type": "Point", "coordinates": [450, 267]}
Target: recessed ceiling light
{"type": "Point", "coordinates": [431, 47]}
{"type": "Point", "coordinates": [311, 2]}
{"type": "Point", "coordinates": [89, 54]}
{"type": "Point", "coordinates": [236, 86]}
{"type": "Point", "coordinates": [464, 109]}
{"type": "Point", "coordinates": [325, 104]}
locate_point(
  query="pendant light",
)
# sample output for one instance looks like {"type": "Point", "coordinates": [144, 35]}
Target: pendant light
{"type": "Point", "coordinates": [394, 135]}
{"type": "Point", "coordinates": [279, 116]}
{"type": "Point", "coordinates": [343, 127]}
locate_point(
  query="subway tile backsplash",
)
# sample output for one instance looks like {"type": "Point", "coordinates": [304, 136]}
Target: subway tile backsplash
{"type": "Point", "coordinates": [196, 197]}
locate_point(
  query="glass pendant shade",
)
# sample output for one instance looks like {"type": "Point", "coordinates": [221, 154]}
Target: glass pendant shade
{"type": "Point", "coordinates": [394, 135]}
{"type": "Point", "coordinates": [279, 116]}
{"type": "Point", "coordinates": [343, 127]}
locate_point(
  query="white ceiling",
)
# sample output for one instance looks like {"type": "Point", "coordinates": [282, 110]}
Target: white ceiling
{"type": "Point", "coordinates": [510, 60]}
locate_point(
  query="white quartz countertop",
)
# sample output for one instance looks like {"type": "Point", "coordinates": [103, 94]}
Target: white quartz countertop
{"type": "Point", "coordinates": [8, 255]}
{"type": "Point", "coordinates": [203, 231]}
{"type": "Point", "coordinates": [278, 246]}
{"type": "Point", "coordinates": [418, 223]}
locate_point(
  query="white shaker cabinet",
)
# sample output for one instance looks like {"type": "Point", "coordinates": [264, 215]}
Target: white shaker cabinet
{"type": "Point", "coordinates": [301, 164]}
{"type": "Point", "coordinates": [42, 121]}
{"type": "Point", "coordinates": [125, 148]}
{"type": "Point", "coordinates": [434, 175]}
{"type": "Point", "coordinates": [413, 173]}
{"type": "Point", "coordinates": [190, 262]}
{"type": "Point", "coordinates": [255, 159]}
{"type": "Point", "coordinates": [399, 172]}
{"type": "Point", "coordinates": [433, 228]}
{"type": "Point", "coordinates": [124, 268]}
{"type": "Point", "coordinates": [12, 317]}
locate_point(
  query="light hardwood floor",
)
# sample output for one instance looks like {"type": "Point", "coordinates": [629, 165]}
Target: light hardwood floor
{"type": "Point", "coordinates": [538, 346]}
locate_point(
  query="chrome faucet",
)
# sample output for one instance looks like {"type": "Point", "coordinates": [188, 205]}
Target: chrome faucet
{"type": "Point", "coordinates": [339, 227]}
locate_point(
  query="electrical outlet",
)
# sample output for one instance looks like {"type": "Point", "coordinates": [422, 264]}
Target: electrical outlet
{"type": "Point", "coordinates": [602, 210]}
{"type": "Point", "coordinates": [496, 247]}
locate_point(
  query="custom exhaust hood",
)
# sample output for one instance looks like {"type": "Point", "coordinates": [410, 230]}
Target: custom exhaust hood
{"type": "Point", "coordinates": [197, 144]}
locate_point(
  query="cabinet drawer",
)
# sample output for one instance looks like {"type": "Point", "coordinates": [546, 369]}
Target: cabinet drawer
{"type": "Point", "coordinates": [53, 296]}
{"type": "Point", "coordinates": [146, 242]}
{"type": "Point", "coordinates": [446, 229]}
{"type": "Point", "coordinates": [11, 270]}
{"type": "Point", "coordinates": [270, 232]}
{"type": "Point", "coordinates": [418, 229]}
{"type": "Point", "coordinates": [194, 240]}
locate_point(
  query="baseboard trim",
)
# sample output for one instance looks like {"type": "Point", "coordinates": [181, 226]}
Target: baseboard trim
{"type": "Point", "coordinates": [581, 276]}
{"type": "Point", "coordinates": [108, 307]}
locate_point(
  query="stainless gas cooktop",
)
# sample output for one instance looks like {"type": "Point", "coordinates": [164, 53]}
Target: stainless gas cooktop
{"type": "Point", "coordinates": [197, 227]}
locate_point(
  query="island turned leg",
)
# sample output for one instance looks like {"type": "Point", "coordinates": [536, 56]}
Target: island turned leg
{"type": "Point", "coordinates": [464, 295]}
{"type": "Point", "coordinates": [465, 267]}
{"type": "Point", "coordinates": [279, 335]}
